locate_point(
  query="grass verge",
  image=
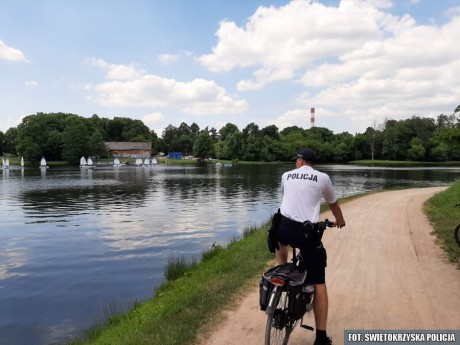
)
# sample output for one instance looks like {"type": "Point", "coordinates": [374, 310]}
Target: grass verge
{"type": "Point", "coordinates": [444, 216]}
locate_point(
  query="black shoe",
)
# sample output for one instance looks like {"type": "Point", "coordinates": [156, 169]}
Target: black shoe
{"type": "Point", "coordinates": [325, 341]}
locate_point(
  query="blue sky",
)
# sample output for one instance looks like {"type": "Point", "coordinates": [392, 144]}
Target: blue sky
{"type": "Point", "coordinates": [356, 62]}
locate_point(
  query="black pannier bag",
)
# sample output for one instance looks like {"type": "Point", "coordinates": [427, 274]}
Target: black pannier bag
{"type": "Point", "coordinates": [295, 282]}
{"type": "Point", "coordinates": [300, 297]}
{"type": "Point", "coordinates": [265, 288]}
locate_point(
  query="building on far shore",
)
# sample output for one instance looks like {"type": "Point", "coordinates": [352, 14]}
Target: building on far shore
{"type": "Point", "coordinates": [129, 149]}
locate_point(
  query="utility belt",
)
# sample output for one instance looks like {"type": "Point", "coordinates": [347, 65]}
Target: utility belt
{"type": "Point", "coordinates": [307, 227]}
{"type": "Point", "coordinates": [292, 223]}
{"type": "Point", "coordinates": [311, 230]}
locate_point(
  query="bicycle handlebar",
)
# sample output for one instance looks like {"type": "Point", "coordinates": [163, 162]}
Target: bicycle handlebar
{"type": "Point", "coordinates": [325, 224]}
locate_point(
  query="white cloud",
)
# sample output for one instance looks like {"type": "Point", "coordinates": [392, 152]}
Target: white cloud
{"type": "Point", "coordinates": [117, 72]}
{"type": "Point", "coordinates": [152, 119]}
{"type": "Point", "coordinates": [198, 97]}
{"type": "Point", "coordinates": [280, 41]}
{"type": "Point", "coordinates": [31, 83]}
{"type": "Point", "coordinates": [166, 59]}
{"type": "Point", "coordinates": [11, 54]}
{"type": "Point", "coordinates": [452, 12]}
{"type": "Point", "coordinates": [410, 73]}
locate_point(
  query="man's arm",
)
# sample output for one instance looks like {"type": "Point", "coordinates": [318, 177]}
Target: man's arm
{"type": "Point", "coordinates": [337, 212]}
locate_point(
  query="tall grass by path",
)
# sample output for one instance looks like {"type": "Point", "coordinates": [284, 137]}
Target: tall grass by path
{"type": "Point", "coordinates": [444, 216]}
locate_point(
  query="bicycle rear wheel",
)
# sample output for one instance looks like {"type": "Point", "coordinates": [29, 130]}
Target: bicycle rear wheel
{"type": "Point", "coordinates": [279, 324]}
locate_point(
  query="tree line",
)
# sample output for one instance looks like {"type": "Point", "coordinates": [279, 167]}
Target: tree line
{"type": "Point", "coordinates": [61, 136]}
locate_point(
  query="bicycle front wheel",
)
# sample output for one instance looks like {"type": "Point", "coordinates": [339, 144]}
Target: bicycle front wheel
{"type": "Point", "coordinates": [279, 324]}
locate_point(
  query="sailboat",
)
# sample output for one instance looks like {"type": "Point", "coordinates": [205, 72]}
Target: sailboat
{"type": "Point", "coordinates": [90, 163]}
{"type": "Point", "coordinates": [146, 162]}
{"type": "Point", "coordinates": [5, 163]}
{"type": "Point", "coordinates": [116, 162]}
{"type": "Point", "coordinates": [138, 161]}
{"type": "Point", "coordinates": [22, 162]}
{"type": "Point", "coordinates": [83, 163]}
{"type": "Point", "coordinates": [43, 163]}
{"type": "Point", "coordinates": [154, 161]}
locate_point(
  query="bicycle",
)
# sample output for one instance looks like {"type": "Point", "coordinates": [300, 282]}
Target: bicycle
{"type": "Point", "coordinates": [285, 297]}
{"type": "Point", "coordinates": [457, 230]}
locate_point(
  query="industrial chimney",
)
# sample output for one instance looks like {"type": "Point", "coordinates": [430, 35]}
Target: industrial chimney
{"type": "Point", "coordinates": [312, 118]}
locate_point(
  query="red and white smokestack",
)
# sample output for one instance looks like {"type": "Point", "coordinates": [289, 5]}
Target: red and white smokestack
{"type": "Point", "coordinates": [312, 117]}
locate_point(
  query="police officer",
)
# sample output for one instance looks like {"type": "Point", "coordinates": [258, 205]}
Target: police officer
{"type": "Point", "coordinates": [302, 190]}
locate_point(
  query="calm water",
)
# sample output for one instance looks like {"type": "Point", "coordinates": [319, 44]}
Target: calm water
{"type": "Point", "coordinates": [75, 245]}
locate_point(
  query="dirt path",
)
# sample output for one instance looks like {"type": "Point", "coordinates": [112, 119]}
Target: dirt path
{"type": "Point", "coordinates": [384, 272]}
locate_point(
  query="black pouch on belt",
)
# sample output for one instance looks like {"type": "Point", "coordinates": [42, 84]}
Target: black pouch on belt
{"type": "Point", "coordinates": [312, 234]}
{"type": "Point", "coordinates": [272, 240]}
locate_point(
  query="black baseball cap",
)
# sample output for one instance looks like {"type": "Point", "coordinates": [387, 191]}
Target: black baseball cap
{"type": "Point", "coordinates": [307, 155]}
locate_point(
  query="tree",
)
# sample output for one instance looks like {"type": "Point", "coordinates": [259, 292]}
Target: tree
{"type": "Point", "coordinates": [416, 151]}
{"type": "Point", "coordinates": [2, 143]}
{"type": "Point", "coordinates": [227, 130]}
{"type": "Point", "coordinates": [96, 145]}
{"type": "Point", "coordinates": [41, 130]}
{"type": "Point", "coordinates": [203, 146]}
{"type": "Point", "coordinates": [76, 140]}
{"type": "Point", "coordinates": [9, 141]}
{"type": "Point", "coordinates": [271, 132]}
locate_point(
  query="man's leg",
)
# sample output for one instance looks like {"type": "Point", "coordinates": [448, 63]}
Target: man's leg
{"type": "Point", "coordinates": [282, 254]}
{"type": "Point", "coordinates": [320, 306]}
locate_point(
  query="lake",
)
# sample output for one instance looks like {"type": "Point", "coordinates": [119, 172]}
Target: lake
{"type": "Point", "coordinates": [77, 244]}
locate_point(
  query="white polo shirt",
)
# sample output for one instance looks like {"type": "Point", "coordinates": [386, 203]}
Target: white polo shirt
{"type": "Point", "coordinates": [302, 190]}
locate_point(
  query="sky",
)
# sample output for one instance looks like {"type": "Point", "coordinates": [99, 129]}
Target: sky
{"type": "Point", "coordinates": [213, 62]}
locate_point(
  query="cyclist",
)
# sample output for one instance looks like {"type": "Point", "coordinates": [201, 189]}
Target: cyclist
{"type": "Point", "coordinates": [302, 190]}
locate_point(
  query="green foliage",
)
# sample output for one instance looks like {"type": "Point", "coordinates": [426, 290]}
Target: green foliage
{"type": "Point", "coordinates": [413, 139]}
{"type": "Point", "coordinates": [75, 140]}
{"type": "Point", "coordinates": [59, 136]}
{"type": "Point", "coordinates": [416, 151]}
{"type": "Point", "coordinates": [203, 147]}
{"type": "Point", "coordinates": [445, 216]}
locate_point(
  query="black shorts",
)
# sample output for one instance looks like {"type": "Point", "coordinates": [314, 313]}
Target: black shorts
{"type": "Point", "coordinates": [314, 257]}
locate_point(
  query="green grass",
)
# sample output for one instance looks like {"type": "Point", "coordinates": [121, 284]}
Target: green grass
{"type": "Point", "coordinates": [444, 216]}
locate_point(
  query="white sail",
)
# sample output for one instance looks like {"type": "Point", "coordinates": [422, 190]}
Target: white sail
{"type": "Point", "coordinates": [116, 162]}
{"type": "Point", "coordinates": [146, 161]}
{"type": "Point", "coordinates": [83, 162]}
{"type": "Point", "coordinates": [154, 161]}
{"type": "Point", "coordinates": [7, 163]}
{"type": "Point", "coordinates": [43, 163]}
{"type": "Point", "coordinates": [90, 162]}
{"type": "Point", "coordinates": [138, 161]}
{"type": "Point", "coordinates": [22, 161]}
